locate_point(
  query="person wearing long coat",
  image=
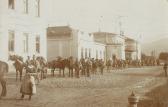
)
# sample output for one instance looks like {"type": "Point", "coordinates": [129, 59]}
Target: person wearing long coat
{"type": "Point", "coordinates": [88, 67]}
{"type": "Point", "coordinates": [101, 65]}
{"type": "Point", "coordinates": [77, 68]}
{"type": "Point", "coordinates": [165, 69]}
{"type": "Point", "coordinates": [28, 86]}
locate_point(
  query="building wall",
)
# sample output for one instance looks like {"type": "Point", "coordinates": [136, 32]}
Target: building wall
{"type": "Point", "coordinates": [57, 48]}
{"type": "Point", "coordinates": [133, 50]}
{"type": "Point", "coordinates": [78, 44]}
{"type": "Point", "coordinates": [99, 51]}
{"type": "Point", "coordinates": [139, 50]}
{"type": "Point", "coordinates": [19, 22]}
{"type": "Point", "coordinates": [117, 51]}
{"type": "Point", "coordinates": [87, 47]}
{"type": "Point", "coordinates": [115, 44]}
{"type": "Point", "coordinates": [131, 55]}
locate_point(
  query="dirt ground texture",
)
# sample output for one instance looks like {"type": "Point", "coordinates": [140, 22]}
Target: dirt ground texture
{"type": "Point", "coordinates": [107, 90]}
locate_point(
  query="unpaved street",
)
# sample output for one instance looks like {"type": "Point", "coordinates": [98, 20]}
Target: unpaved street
{"type": "Point", "coordinates": [108, 90]}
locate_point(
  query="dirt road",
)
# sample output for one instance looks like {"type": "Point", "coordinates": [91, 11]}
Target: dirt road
{"type": "Point", "coordinates": [108, 90]}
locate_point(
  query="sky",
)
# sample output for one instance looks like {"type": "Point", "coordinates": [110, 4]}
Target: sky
{"type": "Point", "coordinates": [144, 20]}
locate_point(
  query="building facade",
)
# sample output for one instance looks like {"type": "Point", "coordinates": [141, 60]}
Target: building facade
{"type": "Point", "coordinates": [22, 28]}
{"type": "Point", "coordinates": [132, 49]}
{"type": "Point", "coordinates": [66, 41]}
{"type": "Point", "coordinates": [115, 44]}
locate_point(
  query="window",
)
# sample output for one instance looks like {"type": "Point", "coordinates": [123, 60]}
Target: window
{"type": "Point", "coordinates": [37, 5]}
{"type": "Point", "coordinates": [11, 41]}
{"type": "Point", "coordinates": [104, 55]}
{"type": "Point", "coordinates": [89, 52]}
{"type": "Point", "coordinates": [85, 52]}
{"type": "Point", "coordinates": [26, 5]}
{"type": "Point", "coordinates": [81, 52]}
{"type": "Point", "coordinates": [100, 54]}
{"type": "Point", "coordinates": [11, 4]}
{"type": "Point", "coordinates": [38, 44]}
{"type": "Point", "coordinates": [96, 54]}
{"type": "Point", "coordinates": [25, 43]}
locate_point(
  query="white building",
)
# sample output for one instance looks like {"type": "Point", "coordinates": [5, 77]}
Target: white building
{"type": "Point", "coordinates": [132, 49]}
{"type": "Point", "coordinates": [65, 41]}
{"type": "Point", "coordinates": [23, 28]}
{"type": "Point", "coordinates": [115, 44]}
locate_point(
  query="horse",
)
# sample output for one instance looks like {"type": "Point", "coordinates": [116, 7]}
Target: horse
{"type": "Point", "coordinates": [19, 66]}
{"type": "Point", "coordinates": [58, 63]}
{"type": "Point", "coordinates": [62, 64]}
{"type": "Point", "coordinates": [51, 65]}
{"type": "Point", "coordinates": [3, 69]}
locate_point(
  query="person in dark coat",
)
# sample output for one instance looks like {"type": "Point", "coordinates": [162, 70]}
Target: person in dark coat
{"type": "Point", "coordinates": [83, 63]}
{"type": "Point", "coordinates": [88, 67]}
{"type": "Point", "coordinates": [28, 86]}
{"type": "Point", "coordinates": [77, 68]}
{"type": "Point", "coordinates": [165, 69]}
{"type": "Point", "coordinates": [109, 64]}
{"type": "Point", "coordinates": [101, 65]}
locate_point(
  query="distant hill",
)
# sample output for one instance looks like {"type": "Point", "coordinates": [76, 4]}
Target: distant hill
{"type": "Point", "coordinates": [159, 46]}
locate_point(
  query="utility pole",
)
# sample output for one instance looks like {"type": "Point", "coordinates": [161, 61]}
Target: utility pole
{"type": "Point", "coordinates": [120, 25]}
{"type": "Point", "coordinates": [100, 21]}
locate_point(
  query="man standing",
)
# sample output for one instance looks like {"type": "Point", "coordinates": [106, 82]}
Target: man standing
{"type": "Point", "coordinates": [88, 67]}
{"type": "Point", "coordinates": [28, 61]}
{"type": "Point", "coordinates": [77, 68]}
{"type": "Point", "coordinates": [34, 61]}
{"type": "Point", "coordinates": [101, 65]}
{"type": "Point", "coordinates": [165, 69]}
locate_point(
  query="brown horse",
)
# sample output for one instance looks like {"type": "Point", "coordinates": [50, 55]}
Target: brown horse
{"type": "Point", "coordinates": [3, 70]}
{"type": "Point", "coordinates": [19, 65]}
{"type": "Point", "coordinates": [58, 64]}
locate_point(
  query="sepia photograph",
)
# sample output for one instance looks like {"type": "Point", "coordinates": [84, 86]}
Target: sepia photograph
{"type": "Point", "coordinates": [83, 53]}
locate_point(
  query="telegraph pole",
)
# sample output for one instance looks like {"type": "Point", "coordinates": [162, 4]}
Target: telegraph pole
{"type": "Point", "coordinates": [120, 25]}
{"type": "Point", "coordinates": [100, 21]}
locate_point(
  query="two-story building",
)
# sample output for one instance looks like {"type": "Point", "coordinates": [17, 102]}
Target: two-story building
{"type": "Point", "coordinates": [23, 28]}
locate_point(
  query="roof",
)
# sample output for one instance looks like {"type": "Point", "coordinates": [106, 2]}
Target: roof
{"type": "Point", "coordinates": [51, 31]}
{"type": "Point", "coordinates": [127, 39]}
{"type": "Point", "coordinates": [107, 33]}
{"type": "Point", "coordinates": [104, 33]}
{"type": "Point", "coordinates": [130, 50]}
